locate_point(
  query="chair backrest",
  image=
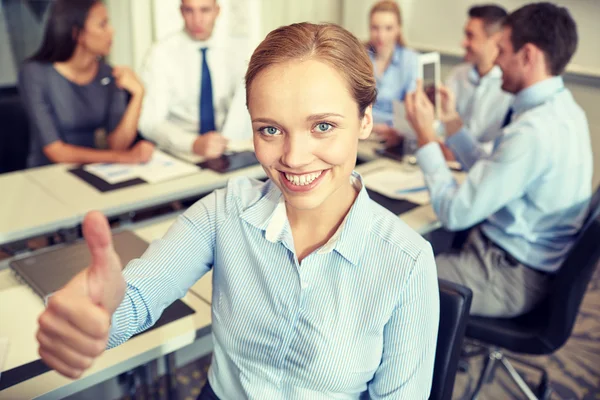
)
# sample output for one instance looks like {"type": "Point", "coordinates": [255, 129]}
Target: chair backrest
{"type": "Point", "coordinates": [14, 131]}
{"type": "Point", "coordinates": [570, 283]}
{"type": "Point", "coordinates": [455, 304]}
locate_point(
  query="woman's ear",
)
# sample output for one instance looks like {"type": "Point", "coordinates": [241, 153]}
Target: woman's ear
{"type": "Point", "coordinates": [75, 34]}
{"type": "Point", "coordinates": [366, 124]}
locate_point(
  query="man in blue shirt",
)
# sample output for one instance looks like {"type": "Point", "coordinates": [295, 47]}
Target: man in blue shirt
{"type": "Point", "coordinates": [529, 197]}
{"type": "Point", "coordinates": [477, 83]}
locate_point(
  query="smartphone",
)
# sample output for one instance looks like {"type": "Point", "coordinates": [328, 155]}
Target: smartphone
{"type": "Point", "coordinates": [430, 74]}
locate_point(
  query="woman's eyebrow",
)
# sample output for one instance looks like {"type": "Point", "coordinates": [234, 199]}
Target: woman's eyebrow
{"type": "Point", "coordinates": [265, 121]}
{"type": "Point", "coordinates": [316, 117]}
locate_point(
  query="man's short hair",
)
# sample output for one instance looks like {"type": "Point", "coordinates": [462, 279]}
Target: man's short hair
{"type": "Point", "coordinates": [548, 27]}
{"type": "Point", "coordinates": [492, 16]}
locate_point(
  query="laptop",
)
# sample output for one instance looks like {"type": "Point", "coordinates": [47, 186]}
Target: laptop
{"type": "Point", "coordinates": [49, 271]}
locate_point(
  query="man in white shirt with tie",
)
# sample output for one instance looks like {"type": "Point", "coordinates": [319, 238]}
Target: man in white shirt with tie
{"type": "Point", "coordinates": [191, 79]}
{"type": "Point", "coordinates": [477, 84]}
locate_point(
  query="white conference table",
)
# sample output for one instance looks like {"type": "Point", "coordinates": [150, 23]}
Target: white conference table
{"type": "Point", "coordinates": [28, 209]}
{"type": "Point", "coordinates": [80, 197]}
{"type": "Point", "coordinates": [47, 199]}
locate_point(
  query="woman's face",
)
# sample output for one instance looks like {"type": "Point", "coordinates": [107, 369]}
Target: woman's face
{"type": "Point", "coordinates": [97, 34]}
{"type": "Point", "coordinates": [384, 28]}
{"type": "Point", "coordinates": [306, 128]}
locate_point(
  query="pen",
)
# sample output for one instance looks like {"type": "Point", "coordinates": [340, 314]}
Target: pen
{"type": "Point", "coordinates": [411, 190]}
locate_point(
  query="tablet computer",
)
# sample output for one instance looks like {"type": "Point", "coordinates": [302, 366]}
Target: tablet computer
{"type": "Point", "coordinates": [230, 162]}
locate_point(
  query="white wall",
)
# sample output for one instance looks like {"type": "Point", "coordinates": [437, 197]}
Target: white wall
{"type": "Point", "coordinates": [119, 13]}
{"type": "Point", "coordinates": [355, 17]}
{"type": "Point", "coordinates": [276, 13]}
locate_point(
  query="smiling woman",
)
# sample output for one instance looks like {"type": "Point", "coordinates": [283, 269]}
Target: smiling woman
{"type": "Point", "coordinates": [318, 292]}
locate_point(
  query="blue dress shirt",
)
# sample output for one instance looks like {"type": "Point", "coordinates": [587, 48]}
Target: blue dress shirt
{"type": "Point", "coordinates": [359, 313]}
{"type": "Point", "coordinates": [480, 101]}
{"type": "Point", "coordinates": [399, 78]}
{"type": "Point", "coordinates": [532, 192]}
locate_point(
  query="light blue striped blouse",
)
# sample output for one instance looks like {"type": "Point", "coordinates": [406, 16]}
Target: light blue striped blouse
{"type": "Point", "coordinates": [359, 313]}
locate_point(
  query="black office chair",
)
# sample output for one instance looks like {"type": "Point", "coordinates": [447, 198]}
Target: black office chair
{"type": "Point", "coordinates": [14, 131]}
{"type": "Point", "coordinates": [546, 328]}
{"type": "Point", "coordinates": [455, 304]}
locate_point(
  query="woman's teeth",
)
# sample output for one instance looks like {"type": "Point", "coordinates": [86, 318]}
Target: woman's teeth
{"type": "Point", "coordinates": [302, 180]}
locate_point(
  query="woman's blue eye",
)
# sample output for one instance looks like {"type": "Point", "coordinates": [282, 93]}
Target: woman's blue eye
{"type": "Point", "coordinates": [269, 130]}
{"type": "Point", "coordinates": [324, 127]}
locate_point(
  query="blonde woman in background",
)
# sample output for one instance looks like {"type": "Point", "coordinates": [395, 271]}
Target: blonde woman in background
{"type": "Point", "coordinates": [394, 65]}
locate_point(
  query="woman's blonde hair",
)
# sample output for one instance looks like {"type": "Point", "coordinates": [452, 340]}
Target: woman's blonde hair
{"type": "Point", "coordinates": [392, 7]}
{"type": "Point", "coordinates": [328, 43]}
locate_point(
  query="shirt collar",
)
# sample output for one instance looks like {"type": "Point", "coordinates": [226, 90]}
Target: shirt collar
{"type": "Point", "coordinates": [269, 215]}
{"type": "Point", "coordinates": [537, 94]}
{"type": "Point", "coordinates": [197, 44]}
{"type": "Point", "coordinates": [476, 79]}
{"type": "Point", "coordinates": [260, 213]}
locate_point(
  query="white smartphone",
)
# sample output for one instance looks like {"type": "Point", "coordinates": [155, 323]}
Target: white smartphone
{"type": "Point", "coordinates": [430, 73]}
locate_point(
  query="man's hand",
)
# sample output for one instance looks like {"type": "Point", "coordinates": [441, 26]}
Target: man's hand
{"type": "Point", "coordinates": [420, 114]}
{"type": "Point", "coordinates": [210, 145]}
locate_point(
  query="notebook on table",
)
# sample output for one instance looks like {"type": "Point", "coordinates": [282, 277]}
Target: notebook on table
{"type": "Point", "coordinates": [49, 271]}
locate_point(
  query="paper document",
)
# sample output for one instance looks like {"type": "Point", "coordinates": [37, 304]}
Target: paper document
{"type": "Point", "coordinates": [190, 158]}
{"type": "Point", "coordinates": [401, 123]}
{"type": "Point", "coordinates": [399, 184]}
{"type": "Point", "coordinates": [237, 146]}
{"type": "Point", "coordinates": [112, 173]}
{"type": "Point", "coordinates": [161, 167]}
